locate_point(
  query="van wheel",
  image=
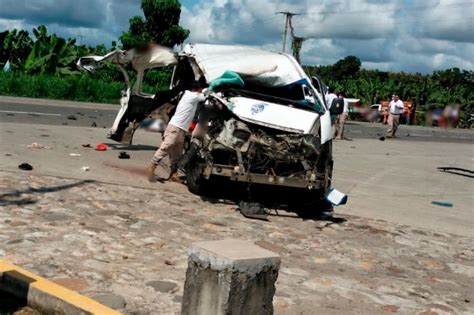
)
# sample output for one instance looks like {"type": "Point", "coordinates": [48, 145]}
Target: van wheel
{"type": "Point", "coordinates": [195, 181]}
{"type": "Point", "coordinates": [315, 203]}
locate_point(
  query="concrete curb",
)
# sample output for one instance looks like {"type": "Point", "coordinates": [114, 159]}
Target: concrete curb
{"type": "Point", "coordinates": [47, 296]}
{"type": "Point", "coordinates": [60, 103]}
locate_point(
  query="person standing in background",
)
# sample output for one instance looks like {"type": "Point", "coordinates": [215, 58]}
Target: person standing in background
{"type": "Point", "coordinates": [341, 119]}
{"type": "Point", "coordinates": [395, 109]}
{"type": "Point", "coordinates": [330, 97]}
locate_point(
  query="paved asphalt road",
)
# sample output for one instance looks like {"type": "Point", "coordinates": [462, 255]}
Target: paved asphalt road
{"type": "Point", "coordinates": [103, 116]}
{"type": "Point", "coordinates": [57, 115]}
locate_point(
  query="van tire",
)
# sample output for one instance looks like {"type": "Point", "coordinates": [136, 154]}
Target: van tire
{"type": "Point", "coordinates": [195, 181]}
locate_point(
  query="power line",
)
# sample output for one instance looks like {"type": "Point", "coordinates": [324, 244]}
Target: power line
{"type": "Point", "coordinates": [340, 27]}
{"type": "Point", "coordinates": [266, 21]}
{"type": "Point", "coordinates": [468, 3]}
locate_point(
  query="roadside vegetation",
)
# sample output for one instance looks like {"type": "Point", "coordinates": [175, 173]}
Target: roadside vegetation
{"type": "Point", "coordinates": [43, 65]}
{"type": "Point", "coordinates": [451, 86]}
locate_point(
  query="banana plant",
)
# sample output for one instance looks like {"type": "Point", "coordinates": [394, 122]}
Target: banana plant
{"type": "Point", "coordinates": [51, 54]}
{"type": "Point", "coordinates": [15, 48]}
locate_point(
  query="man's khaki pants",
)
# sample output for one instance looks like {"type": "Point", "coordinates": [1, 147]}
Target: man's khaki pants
{"type": "Point", "coordinates": [339, 126]}
{"type": "Point", "coordinates": [393, 122]}
{"type": "Point", "coordinates": [171, 146]}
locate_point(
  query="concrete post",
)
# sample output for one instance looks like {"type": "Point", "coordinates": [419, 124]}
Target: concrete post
{"type": "Point", "coordinates": [230, 277]}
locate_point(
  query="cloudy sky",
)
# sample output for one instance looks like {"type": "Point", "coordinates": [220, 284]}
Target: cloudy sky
{"type": "Point", "coordinates": [408, 35]}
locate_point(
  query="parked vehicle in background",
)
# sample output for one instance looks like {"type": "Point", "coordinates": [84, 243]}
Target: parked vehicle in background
{"type": "Point", "coordinates": [374, 114]}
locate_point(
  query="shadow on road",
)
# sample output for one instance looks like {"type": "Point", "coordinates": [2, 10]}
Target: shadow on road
{"type": "Point", "coordinates": [131, 147]}
{"type": "Point", "coordinates": [15, 198]}
{"type": "Point", "coordinates": [299, 203]}
{"type": "Point", "coordinates": [457, 171]}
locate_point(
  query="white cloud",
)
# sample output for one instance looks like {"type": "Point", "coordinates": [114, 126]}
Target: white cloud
{"type": "Point", "coordinates": [416, 35]}
{"type": "Point", "coordinates": [390, 35]}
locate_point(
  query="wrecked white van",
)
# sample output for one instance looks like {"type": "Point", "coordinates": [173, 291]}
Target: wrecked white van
{"type": "Point", "coordinates": [275, 129]}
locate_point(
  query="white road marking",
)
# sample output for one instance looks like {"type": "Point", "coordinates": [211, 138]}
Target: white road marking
{"type": "Point", "coordinates": [28, 113]}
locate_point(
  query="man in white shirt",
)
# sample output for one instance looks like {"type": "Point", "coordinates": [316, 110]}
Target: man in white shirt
{"type": "Point", "coordinates": [173, 138]}
{"type": "Point", "coordinates": [395, 108]}
{"type": "Point", "coordinates": [330, 97]}
{"type": "Point", "coordinates": [341, 119]}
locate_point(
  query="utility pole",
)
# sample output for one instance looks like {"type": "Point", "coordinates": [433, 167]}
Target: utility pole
{"type": "Point", "coordinates": [81, 37]}
{"type": "Point", "coordinates": [288, 16]}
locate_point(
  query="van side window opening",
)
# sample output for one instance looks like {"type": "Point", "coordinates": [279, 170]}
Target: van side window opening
{"type": "Point", "coordinates": [155, 80]}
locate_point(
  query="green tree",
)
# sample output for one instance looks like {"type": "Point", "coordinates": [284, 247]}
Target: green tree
{"type": "Point", "coordinates": [161, 25]}
{"type": "Point", "coordinates": [346, 68]}
{"type": "Point", "coordinates": [3, 52]}
{"type": "Point", "coordinates": [15, 47]}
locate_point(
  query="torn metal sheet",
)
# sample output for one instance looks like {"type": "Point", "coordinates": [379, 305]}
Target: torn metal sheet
{"type": "Point", "coordinates": [152, 56]}
{"type": "Point", "coordinates": [268, 68]}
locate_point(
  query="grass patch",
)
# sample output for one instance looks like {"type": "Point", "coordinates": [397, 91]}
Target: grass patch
{"type": "Point", "coordinates": [77, 87]}
{"type": "Point", "coordinates": [73, 87]}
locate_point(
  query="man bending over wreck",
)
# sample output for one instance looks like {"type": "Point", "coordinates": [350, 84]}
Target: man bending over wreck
{"type": "Point", "coordinates": [173, 137]}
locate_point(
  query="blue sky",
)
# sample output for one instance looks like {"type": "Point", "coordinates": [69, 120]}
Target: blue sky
{"type": "Point", "coordinates": [397, 35]}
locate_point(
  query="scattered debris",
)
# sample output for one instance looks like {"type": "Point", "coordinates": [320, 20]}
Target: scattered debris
{"type": "Point", "coordinates": [65, 124]}
{"type": "Point", "coordinates": [253, 210]}
{"type": "Point", "coordinates": [74, 154]}
{"type": "Point", "coordinates": [85, 168]}
{"type": "Point", "coordinates": [44, 136]}
{"type": "Point", "coordinates": [101, 147]}
{"type": "Point", "coordinates": [36, 145]}
{"type": "Point", "coordinates": [71, 117]}
{"type": "Point", "coordinates": [87, 145]}
{"type": "Point", "coordinates": [442, 204]}
{"type": "Point", "coordinates": [94, 124]}
{"type": "Point", "coordinates": [25, 167]}
{"type": "Point", "coordinates": [124, 155]}
{"type": "Point", "coordinates": [457, 171]}
{"type": "Point", "coordinates": [382, 138]}
{"type": "Point", "coordinates": [336, 197]}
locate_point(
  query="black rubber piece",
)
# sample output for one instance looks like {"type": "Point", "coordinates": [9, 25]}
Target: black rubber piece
{"type": "Point", "coordinates": [253, 210]}
{"type": "Point", "coordinates": [25, 167]}
{"type": "Point", "coordinates": [124, 155]}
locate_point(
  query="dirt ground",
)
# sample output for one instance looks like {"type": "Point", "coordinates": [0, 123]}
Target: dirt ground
{"type": "Point", "coordinates": [127, 247]}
